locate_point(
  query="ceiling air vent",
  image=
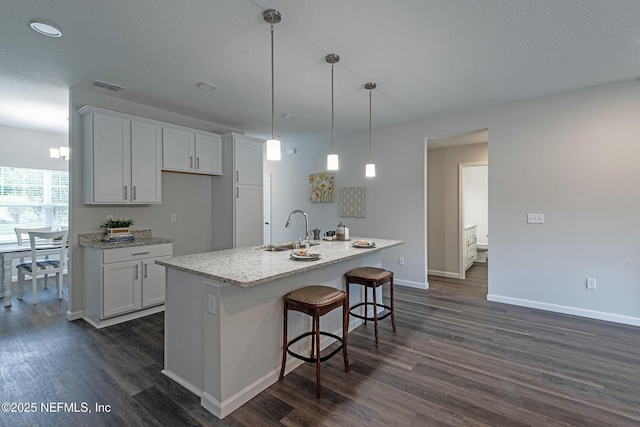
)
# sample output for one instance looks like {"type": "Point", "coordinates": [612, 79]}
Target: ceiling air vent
{"type": "Point", "coordinates": [109, 86]}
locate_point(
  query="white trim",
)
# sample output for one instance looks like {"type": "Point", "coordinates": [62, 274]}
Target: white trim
{"type": "Point", "coordinates": [575, 311]}
{"type": "Point", "coordinates": [186, 384]}
{"type": "Point", "coordinates": [409, 284]}
{"type": "Point", "coordinates": [222, 409]}
{"type": "Point", "coordinates": [462, 249]}
{"type": "Point", "coordinates": [75, 315]}
{"type": "Point", "coordinates": [125, 317]}
{"type": "Point", "coordinates": [449, 274]}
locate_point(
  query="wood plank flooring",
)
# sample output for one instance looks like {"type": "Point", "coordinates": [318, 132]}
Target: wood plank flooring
{"type": "Point", "coordinates": [456, 360]}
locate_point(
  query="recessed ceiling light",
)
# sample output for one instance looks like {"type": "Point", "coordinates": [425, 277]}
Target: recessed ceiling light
{"type": "Point", "coordinates": [45, 29]}
{"type": "Point", "coordinates": [287, 116]}
{"type": "Point", "coordinates": [206, 86]}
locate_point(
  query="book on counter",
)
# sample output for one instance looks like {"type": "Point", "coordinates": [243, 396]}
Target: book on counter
{"type": "Point", "coordinates": [119, 238]}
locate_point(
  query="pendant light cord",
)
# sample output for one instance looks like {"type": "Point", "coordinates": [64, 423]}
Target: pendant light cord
{"type": "Point", "coordinates": [332, 131]}
{"type": "Point", "coordinates": [369, 126]}
{"type": "Point", "coordinates": [273, 103]}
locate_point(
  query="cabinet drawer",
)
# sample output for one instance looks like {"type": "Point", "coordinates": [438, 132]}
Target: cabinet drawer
{"type": "Point", "coordinates": [136, 252]}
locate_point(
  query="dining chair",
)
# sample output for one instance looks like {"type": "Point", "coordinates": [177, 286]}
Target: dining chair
{"type": "Point", "coordinates": [57, 245]}
{"type": "Point", "coordinates": [22, 235]}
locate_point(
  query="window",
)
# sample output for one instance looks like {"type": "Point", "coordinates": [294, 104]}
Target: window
{"type": "Point", "coordinates": [32, 198]}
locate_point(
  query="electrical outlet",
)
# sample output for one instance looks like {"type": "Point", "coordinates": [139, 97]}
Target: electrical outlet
{"type": "Point", "coordinates": [212, 304]}
{"type": "Point", "coordinates": [591, 283]}
{"type": "Point", "coordinates": [535, 218]}
{"type": "Point", "coordinates": [173, 218]}
{"type": "Point", "coordinates": [401, 260]}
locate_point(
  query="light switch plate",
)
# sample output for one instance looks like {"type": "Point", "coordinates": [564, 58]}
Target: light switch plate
{"type": "Point", "coordinates": [535, 218]}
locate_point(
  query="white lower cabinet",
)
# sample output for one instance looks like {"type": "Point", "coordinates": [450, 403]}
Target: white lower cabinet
{"type": "Point", "coordinates": [124, 282]}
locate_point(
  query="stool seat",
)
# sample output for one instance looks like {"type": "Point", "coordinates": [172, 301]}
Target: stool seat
{"type": "Point", "coordinates": [369, 274]}
{"type": "Point", "coordinates": [372, 277]}
{"type": "Point", "coordinates": [316, 301]}
{"type": "Point", "coordinates": [316, 295]}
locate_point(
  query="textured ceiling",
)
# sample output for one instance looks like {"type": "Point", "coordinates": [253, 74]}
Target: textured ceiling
{"type": "Point", "coordinates": [428, 57]}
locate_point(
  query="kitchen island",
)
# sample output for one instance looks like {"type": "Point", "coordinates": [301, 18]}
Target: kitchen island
{"type": "Point", "coordinates": [223, 315]}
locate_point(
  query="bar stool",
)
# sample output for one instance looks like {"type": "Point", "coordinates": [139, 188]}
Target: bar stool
{"type": "Point", "coordinates": [316, 301]}
{"type": "Point", "coordinates": [371, 277]}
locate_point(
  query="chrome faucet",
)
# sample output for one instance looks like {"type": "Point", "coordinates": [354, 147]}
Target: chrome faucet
{"type": "Point", "coordinates": [305, 242]}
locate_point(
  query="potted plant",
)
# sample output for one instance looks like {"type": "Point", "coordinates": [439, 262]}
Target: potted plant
{"type": "Point", "coordinates": [117, 226]}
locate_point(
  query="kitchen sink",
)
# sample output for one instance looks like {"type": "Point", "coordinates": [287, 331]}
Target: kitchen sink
{"type": "Point", "coordinates": [282, 247]}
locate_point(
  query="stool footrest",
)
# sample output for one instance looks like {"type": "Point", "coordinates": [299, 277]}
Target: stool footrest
{"type": "Point", "coordinates": [313, 359]}
{"type": "Point", "coordinates": [380, 317]}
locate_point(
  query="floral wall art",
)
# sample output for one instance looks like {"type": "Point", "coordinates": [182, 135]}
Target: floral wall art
{"type": "Point", "coordinates": [321, 187]}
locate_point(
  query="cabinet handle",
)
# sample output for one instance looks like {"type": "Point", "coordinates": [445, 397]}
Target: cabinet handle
{"type": "Point", "coordinates": [141, 253]}
{"type": "Point", "coordinates": [197, 162]}
{"type": "Point", "coordinates": [237, 192]}
{"type": "Point", "coordinates": [134, 192]}
{"type": "Point", "coordinates": [136, 272]}
{"type": "Point", "coordinates": [237, 176]}
{"type": "Point", "coordinates": [145, 271]}
{"type": "Point", "coordinates": [191, 161]}
{"type": "Point", "coordinates": [125, 193]}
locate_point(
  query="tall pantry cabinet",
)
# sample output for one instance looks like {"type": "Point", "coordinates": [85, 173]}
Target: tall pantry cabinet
{"type": "Point", "coordinates": [241, 183]}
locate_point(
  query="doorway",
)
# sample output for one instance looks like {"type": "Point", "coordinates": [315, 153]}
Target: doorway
{"type": "Point", "coordinates": [444, 221]}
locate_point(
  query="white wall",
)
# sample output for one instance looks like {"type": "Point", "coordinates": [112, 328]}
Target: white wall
{"type": "Point", "coordinates": [395, 205]}
{"type": "Point", "coordinates": [26, 148]}
{"type": "Point", "coordinates": [572, 156]}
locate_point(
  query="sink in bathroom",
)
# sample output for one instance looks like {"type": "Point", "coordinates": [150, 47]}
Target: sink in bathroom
{"type": "Point", "coordinates": [282, 247]}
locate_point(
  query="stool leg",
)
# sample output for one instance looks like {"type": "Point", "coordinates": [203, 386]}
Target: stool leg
{"type": "Point", "coordinates": [366, 300]}
{"type": "Point", "coordinates": [375, 314]}
{"type": "Point", "coordinates": [284, 342]}
{"type": "Point", "coordinates": [316, 319]}
{"type": "Point", "coordinates": [393, 311]}
{"type": "Point", "coordinates": [345, 332]}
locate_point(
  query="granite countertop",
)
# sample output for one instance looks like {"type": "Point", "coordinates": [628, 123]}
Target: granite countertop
{"type": "Point", "coordinates": [246, 267]}
{"type": "Point", "coordinates": [141, 238]}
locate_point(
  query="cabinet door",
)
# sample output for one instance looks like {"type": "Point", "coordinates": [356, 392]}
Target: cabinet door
{"type": "Point", "coordinates": [247, 160]}
{"type": "Point", "coordinates": [248, 216]}
{"type": "Point", "coordinates": [209, 154]}
{"type": "Point", "coordinates": [153, 282]}
{"type": "Point", "coordinates": [121, 289]}
{"type": "Point", "coordinates": [146, 157]}
{"type": "Point", "coordinates": [178, 150]}
{"type": "Point", "coordinates": [111, 159]}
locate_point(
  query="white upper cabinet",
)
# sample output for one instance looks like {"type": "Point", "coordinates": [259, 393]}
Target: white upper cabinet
{"type": "Point", "coordinates": [247, 160]}
{"type": "Point", "coordinates": [122, 158]}
{"type": "Point", "coordinates": [190, 151]}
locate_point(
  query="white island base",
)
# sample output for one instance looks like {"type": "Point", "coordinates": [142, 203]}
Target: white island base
{"type": "Point", "coordinates": [224, 342]}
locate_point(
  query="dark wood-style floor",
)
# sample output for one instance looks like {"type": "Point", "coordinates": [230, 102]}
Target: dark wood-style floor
{"type": "Point", "coordinates": [456, 360]}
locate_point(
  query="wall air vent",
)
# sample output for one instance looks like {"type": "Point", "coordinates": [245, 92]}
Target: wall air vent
{"type": "Point", "coordinates": [109, 86]}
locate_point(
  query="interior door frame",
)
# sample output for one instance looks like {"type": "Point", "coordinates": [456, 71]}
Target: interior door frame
{"type": "Point", "coordinates": [461, 248]}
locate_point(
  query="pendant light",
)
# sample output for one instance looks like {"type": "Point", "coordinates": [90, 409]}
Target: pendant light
{"type": "Point", "coordinates": [370, 168]}
{"type": "Point", "coordinates": [272, 16]}
{"type": "Point", "coordinates": [332, 159]}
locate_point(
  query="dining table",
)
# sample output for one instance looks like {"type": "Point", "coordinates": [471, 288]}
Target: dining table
{"type": "Point", "coordinates": [10, 251]}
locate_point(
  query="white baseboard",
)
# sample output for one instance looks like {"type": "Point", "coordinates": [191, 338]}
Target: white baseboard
{"type": "Point", "coordinates": [193, 389]}
{"type": "Point", "coordinates": [410, 284]}
{"type": "Point", "coordinates": [448, 274]}
{"type": "Point", "coordinates": [222, 409]}
{"type": "Point", "coordinates": [592, 314]}
{"type": "Point", "coordinates": [124, 317]}
{"type": "Point", "coordinates": [75, 315]}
